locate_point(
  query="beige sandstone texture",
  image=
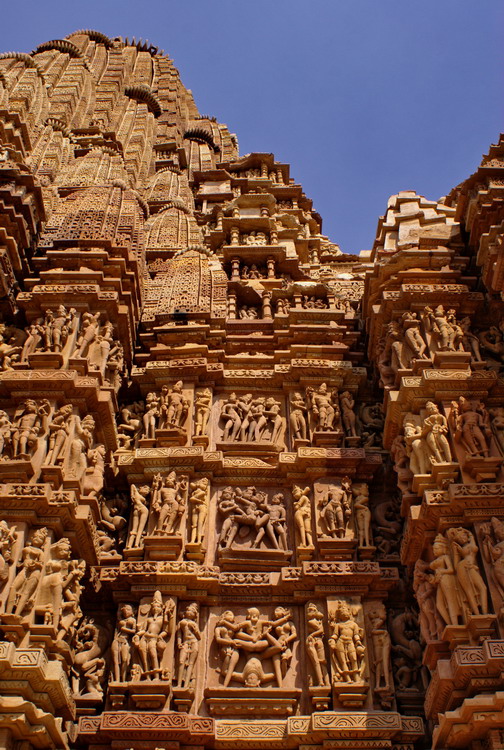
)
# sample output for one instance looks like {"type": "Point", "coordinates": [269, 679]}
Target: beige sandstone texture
{"type": "Point", "coordinates": [251, 488]}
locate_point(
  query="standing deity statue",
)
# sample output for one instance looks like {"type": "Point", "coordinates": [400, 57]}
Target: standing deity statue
{"type": "Point", "coordinates": [469, 579]}
{"type": "Point", "coordinates": [152, 635]}
{"type": "Point", "coordinates": [438, 323]}
{"type": "Point", "coordinates": [8, 538]}
{"type": "Point", "coordinates": [139, 516]}
{"type": "Point", "coordinates": [168, 501]}
{"type": "Point", "coordinates": [315, 644]}
{"type": "Point", "coordinates": [302, 515]}
{"type": "Point", "coordinates": [202, 405]}
{"type": "Point", "coordinates": [435, 428]}
{"type": "Point", "coordinates": [415, 444]}
{"type": "Point", "coordinates": [346, 646]}
{"type": "Point", "coordinates": [198, 502]}
{"type": "Point", "coordinates": [122, 644]}
{"type": "Point", "coordinates": [231, 415]}
{"type": "Point", "coordinates": [34, 339]}
{"type": "Point", "coordinates": [412, 336]}
{"type": "Point", "coordinates": [151, 415]}
{"type": "Point", "coordinates": [188, 638]}
{"type": "Point", "coordinates": [470, 341]}
{"type": "Point", "coordinates": [81, 442]}
{"type": "Point", "coordinates": [298, 417]}
{"type": "Point", "coordinates": [89, 327]}
{"type": "Point", "coordinates": [59, 589]}
{"type": "Point", "coordinates": [30, 424]}
{"type": "Point", "coordinates": [347, 404]}
{"type": "Point", "coordinates": [59, 430]}
{"type": "Point", "coordinates": [448, 600]}
{"type": "Point", "coordinates": [57, 327]}
{"type": "Point", "coordinates": [471, 426]}
{"type": "Point", "coordinates": [24, 586]}
{"type": "Point", "coordinates": [336, 509]}
{"type": "Point", "coordinates": [173, 407]}
{"type": "Point", "coordinates": [324, 408]}
{"type": "Point", "coordinates": [362, 514]}
{"type": "Point", "coordinates": [493, 550]}
{"type": "Point", "coordinates": [381, 647]}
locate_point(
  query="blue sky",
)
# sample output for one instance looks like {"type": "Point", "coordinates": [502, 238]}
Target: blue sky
{"type": "Point", "coordinates": [362, 97]}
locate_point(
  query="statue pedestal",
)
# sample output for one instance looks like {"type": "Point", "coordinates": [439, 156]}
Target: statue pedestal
{"type": "Point", "coordinates": [366, 553]}
{"type": "Point", "coordinates": [147, 443]}
{"type": "Point", "coordinates": [452, 360]}
{"type": "Point", "coordinates": [183, 698]}
{"type": "Point", "coordinates": [440, 474]}
{"type": "Point", "coordinates": [140, 695]}
{"type": "Point", "coordinates": [353, 442]}
{"type": "Point", "coordinates": [481, 627]}
{"type": "Point", "coordinates": [350, 694]}
{"type": "Point", "coordinates": [333, 548]}
{"type": "Point", "coordinates": [14, 627]}
{"type": "Point", "coordinates": [195, 551]}
{"type": "Point", "coordinates": [171, 436]}
{"type": "Point", "coordinates": [433, 652]}
{"type": "Point", "coordinates": [88, 704]}
{"type": "Point", "coordinates": [327, 438]}
{"type": "Point", "coordinates": [201, 440]}
{"type": "Point", "coordinates": [259, 701]}
{"type": "Point", "coordinates": [46, 361]}
{"type": "Point", "coordinates": [419, 365]}
{"type": "Point", "coordinates": [305, 553]}
{"type": "Point", "coordinates": [300, 443]}
{"type": "Point", "coordinates": [134, 553]}
{"type": "Point", "coordinates": [79, 364]}
{"type": "Point", "coordinates": [320, 697]}
{"type": "Point", "coordinates": [52, 473]}
{"type": "Point", "coordinates": [483, 468]}
{"type": "Point", "coordinates": [162, 546]}
{"type": "Point", "coordinates": [260, 559]}
{"type": "Point", "coordinates": [17, 470]}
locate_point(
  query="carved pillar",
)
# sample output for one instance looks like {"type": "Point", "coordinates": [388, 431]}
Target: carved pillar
{"type": "Point", "coordinates": [235, 236]}
{"type": "Point", "coordinates": [235, 269]}
{"type": "Point", "coordinates": [270, 263]}
{"type": "Point", "coordinates": [266, 305]}
{"type": "Point", "coordinates": [231, 304]}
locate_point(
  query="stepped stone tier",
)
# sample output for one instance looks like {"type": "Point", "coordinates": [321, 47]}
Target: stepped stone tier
{"type": "Point", "coordinates": [251, 487]}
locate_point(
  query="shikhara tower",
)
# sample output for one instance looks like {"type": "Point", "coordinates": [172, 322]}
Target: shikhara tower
{"type": "Point", "coordinates": [251, 489]}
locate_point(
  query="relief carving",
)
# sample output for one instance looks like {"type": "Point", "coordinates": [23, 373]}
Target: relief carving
{"type": "Point", "coordinates": [249, 646]}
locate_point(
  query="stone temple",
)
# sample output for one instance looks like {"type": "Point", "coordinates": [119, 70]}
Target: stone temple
{"type": "Point", "coordinates": [251, 487]}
